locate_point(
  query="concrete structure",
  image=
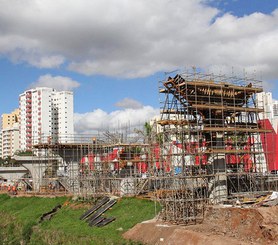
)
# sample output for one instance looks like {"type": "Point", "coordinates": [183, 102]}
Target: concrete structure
{"type": "Point", "coordinates": [10, 134]}
{"type": "Point", "coordinates": [45, 115]}
{"type": "Point", "coordinates": [12, 174]}
{"type": "Point", "coordinates": [37, 167]}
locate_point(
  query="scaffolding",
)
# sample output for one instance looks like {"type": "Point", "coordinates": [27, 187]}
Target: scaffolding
{"type": "Point", "coordinates": [207, 147]}
{"type": "Point", "coordinates": [214, 131]}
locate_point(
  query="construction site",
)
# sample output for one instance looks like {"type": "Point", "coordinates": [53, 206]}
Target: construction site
{"type": "Point", "coordinates": [208, 146]}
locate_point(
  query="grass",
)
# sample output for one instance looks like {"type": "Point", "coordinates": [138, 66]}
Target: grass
{"type": "Point", "coordinates": [19, 215]}
{"type": "Point", "coordinates": [66, 227]}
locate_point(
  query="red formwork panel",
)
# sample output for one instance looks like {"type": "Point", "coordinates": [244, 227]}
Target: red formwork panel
{"type": "Point", "coordinates": [269, 144]}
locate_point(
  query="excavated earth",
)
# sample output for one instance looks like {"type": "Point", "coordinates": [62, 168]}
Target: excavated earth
{"type": "Point", "coordinates": [221, 225]}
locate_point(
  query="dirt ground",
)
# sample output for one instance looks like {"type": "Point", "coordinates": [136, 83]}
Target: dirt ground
{"type": "Point", "coordinates": [222, 225]}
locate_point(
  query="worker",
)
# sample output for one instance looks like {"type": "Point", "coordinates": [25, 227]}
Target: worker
{"type": "Point", "coordinates": [14, 191]}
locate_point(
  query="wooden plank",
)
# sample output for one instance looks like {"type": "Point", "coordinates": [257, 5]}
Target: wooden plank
{"type": "Point", "coordinates": [96, 221]}
{"type": "Point", "coordinates": [100, 211]}
{"type": "Point", "coordinates": [223, 107]}
{"type": "Point", "coordinates": [105, 221]}
{"type": "Point", "coordinates": [94, 208]}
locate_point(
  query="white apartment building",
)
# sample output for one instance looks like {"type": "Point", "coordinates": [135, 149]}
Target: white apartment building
{"type": "Point", "coordinates": [270, 106]}
{"type": "Point", "coordinates": [275, 108]}
{"type": "Point", "coordinates": [9, 133]}
{"type": "Point", "coordinates": [46, 116]}
{"type": "Point", "coordinates": [264, 100]}
{"type": "Point", "coordinates": [10, 140]}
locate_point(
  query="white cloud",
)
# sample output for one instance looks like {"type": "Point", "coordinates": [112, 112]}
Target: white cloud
{"type": "Point", "coordinates": [136, 38]}
{"type": "Point", "coordinates": [46, 61]}
{"type": "Point", "coordinates": [129, 103]}
{"type": "Point", "coordinates": [98, 120]}
{"type": "Point", "coordinates": [57, 82]}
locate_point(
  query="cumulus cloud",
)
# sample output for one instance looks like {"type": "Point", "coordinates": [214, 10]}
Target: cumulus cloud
{"type": "Point", "coordinates": [99, 120]}
{"type": "Point", "coordinates": [59, 83]}
{"type": "Point", "coordinates": [53, 61]}
{"type": "Point", "coordinates": [129, 103]}
{"type": "Point", "coordinates": [136, 38]}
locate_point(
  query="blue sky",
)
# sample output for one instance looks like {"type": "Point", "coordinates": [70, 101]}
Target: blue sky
{"type": "Point", "coordinates": [113, 53]}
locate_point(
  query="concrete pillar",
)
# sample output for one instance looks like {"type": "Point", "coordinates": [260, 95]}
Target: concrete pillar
{"type": "Point", "coordinates": [218, 184]}
{"type": "Point", "coordinates": [37, 171]}
{"type": "Point", "coordinates": [36, 166]}
{"type": "Point", "coordinates": [218, 188]}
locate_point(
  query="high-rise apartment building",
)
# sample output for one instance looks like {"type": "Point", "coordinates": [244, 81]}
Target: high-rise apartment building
{"type": "Point", "coordinates": [8, 120]}
{"type": "Point", "coordinates": [10, 134]}
{"type": "Point", "coordinates": [275, 108]}
{"type": "Point", "coordinates": [46, 115]}
{"type": "Point", "coordinates": [270, 106]}
{"type": "Point", "coordinates": [264, 100]}
{"type": "Point", "coordinates": [10, 140]}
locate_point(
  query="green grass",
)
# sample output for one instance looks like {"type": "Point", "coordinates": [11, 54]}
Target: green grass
{"type": "Point", "coordinates": [65, 227]}
{"type": "Point", "coordinates": [19, 215]}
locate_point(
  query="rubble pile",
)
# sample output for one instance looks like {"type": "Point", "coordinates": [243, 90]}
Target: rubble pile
{"type": "Point", "coordinates": [249, 221]}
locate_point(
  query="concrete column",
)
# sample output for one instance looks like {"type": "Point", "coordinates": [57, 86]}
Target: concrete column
{"type": "Point", "coordinates": [218, 188]}
{"type": "Point", "coordinates": [218, 184]}
{"type": "Point", "coordinates": [37, 171]}
{"type": "Point", "coordinates": [36, 166]}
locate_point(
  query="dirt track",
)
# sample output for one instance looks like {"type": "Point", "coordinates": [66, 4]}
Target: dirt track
{"type": "Point", "coordinates": [221, 226]}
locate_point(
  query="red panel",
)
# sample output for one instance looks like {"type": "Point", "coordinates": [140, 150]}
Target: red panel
{"type": "Point", "coordinates": [270, 145]}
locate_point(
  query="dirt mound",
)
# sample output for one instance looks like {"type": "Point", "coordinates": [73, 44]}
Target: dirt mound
{"type": "Point", "coordinates": [222, 225]}
{"type": "Point", "coordinates": [246, 224]}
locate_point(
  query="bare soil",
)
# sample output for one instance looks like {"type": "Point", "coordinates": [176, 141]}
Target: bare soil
{"type": "Point", "coordinates": [222, 225]}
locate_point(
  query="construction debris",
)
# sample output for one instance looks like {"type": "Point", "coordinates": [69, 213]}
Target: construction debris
{"type": "Point", "coordinates": [269, 201]}
{"type": "Point", "coordinates": [222, 225]}
{"type": "Point", "coordinates": [94, 216]}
